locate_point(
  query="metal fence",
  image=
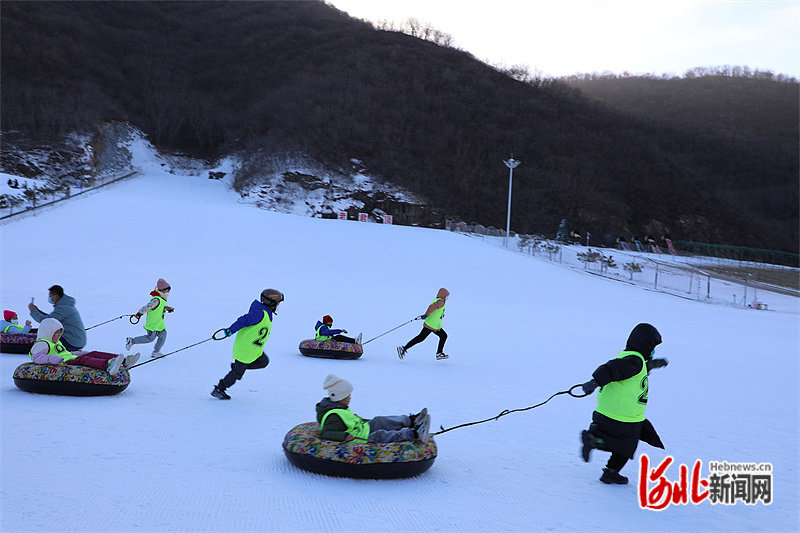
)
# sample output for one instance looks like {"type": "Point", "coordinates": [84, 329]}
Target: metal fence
{"type": "Point", "coordinates": [671, 274]}
{"type": "Point", "coordinates": [36, 198]}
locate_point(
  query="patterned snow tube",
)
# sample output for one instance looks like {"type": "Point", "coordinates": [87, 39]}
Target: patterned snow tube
{"type": "Point", "coordinates": [21, 343]}
{"type": "Point", "coordinates": [69, 380]}
{"type": "Point", "coordinates": [330, 349]}
{"type": "Point", "coordinates": [306, 450]}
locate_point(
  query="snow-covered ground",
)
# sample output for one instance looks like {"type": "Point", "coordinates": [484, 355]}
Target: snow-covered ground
{"type": "Point", "coordinates": [166, 456]}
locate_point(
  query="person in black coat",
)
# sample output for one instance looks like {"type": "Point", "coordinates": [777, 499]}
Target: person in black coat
{"type": "Point", "coordinates": [618, 422]}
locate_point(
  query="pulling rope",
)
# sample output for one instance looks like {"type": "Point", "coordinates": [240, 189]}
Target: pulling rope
{"type": "Point", "coordinates": [509, 411]}
{"type": "Point", "coordinates": [112, 320]}
{"type": "Point", "coordinates": [391, 330]}
{"type": "Point", "coordinates": [211, 338]}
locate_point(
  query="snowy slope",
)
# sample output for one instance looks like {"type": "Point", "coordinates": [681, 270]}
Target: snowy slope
{"type": "Point", "coordinates": [165, 455]}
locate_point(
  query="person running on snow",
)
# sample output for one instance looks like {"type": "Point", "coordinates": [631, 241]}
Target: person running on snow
{"type": "Point", "coordinates": [433, 324]}
{"type": "Point", "coordinates": [48, 350]}
{"type": "Point", "coordinates": [338, 422]}
{"type": "Point", "coordinates": [618, 422]}
{"type": "Point", "coordinates": [10, 324]}
{"type": "Point", "coordinates": [252, 331]}
{"type": "Point", "coordinates": [154, 322]}
{"type": "Point", "coordinates": [324, 332]}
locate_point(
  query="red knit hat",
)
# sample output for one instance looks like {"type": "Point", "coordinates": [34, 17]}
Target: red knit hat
{"type": "Point", "coordinates": [9, 315]}
{"type": "Point", "coordinates": [327, 319]}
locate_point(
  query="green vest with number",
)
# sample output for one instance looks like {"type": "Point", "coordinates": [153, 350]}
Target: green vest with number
{"type": "Point", "coordinates": [249, 343]}
{"type": "Point", "coordinates": [8, 327]}
{"type": "Point", "coordinates": [321, 337]}
{"type": "Point", "coordinates": [155, 317]}
{"type": "Point", "coordinates": [434, 320]}
{"type": "Point", "coordinates": [356, 426]}
{"type": "Point", "coordinates": [625, 400]}
{"type": "Point", "coordinates": [56, 348]}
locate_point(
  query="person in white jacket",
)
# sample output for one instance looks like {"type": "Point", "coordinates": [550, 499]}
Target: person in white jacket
{"type": "Point", "coordinates": [48, 350]}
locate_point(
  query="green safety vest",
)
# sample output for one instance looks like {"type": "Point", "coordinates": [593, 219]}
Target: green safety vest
{"type": "Point", "coordinates": [356, 426]}
{"type": "Point", "coordinates": [56, 348]}
{"type": "Point", "coordinates": [625, 400]}
{"type": "Point", "coordinates": [8, 327]}
{"type": "Point", "coordinates": [249, 343]}
{"type": "Point", "coordinates": [155, 317]}
{"type": "Point", "coordinates": [322, 337]}
{"type": "Point", "coordinates": [434, 320]}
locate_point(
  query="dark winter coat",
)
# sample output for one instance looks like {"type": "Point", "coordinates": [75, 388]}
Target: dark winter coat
{"type": "Point", "coordinates": [624, 437]}
{"type": "Point", "coordinates": [252, 317]}
{"type": "Point", "coordinates": [334, 428]}
{"type": "Point", "coordinates": [326, 330]}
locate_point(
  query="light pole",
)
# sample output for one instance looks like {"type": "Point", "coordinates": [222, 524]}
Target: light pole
{"type": "Point", "coordinates": [511, 164]}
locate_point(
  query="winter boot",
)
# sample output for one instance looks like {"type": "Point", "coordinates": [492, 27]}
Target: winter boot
{"type": "Point", "coordinates": [131, 360]}
{"type": "Point", "coordinates": [129, 343]}
{"type": "Point", "coordinates": [424, 429]}
{"type": "Point", "coordinates": [358, 339]}
{"type": "Point", "coordinates": [441, 355]}
{"type": "Point", "coordinates": [156, 354]}
{"type": "Point", "coordinates": [588, 442]}
{"type": "Point", "coordinates": [401, 352]}
{"type": "Point", "coordinates": [115, 364]}
{"type": "Point", "coordinates": [416, 420]}
{"type": "Point", "coordinates": [612, 477]}
{"type": "Point", "coordinates": [220, 393]}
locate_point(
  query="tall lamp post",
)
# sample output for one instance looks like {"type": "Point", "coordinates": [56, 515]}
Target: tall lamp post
{"type": "Point", "coordinates": [511, 164]}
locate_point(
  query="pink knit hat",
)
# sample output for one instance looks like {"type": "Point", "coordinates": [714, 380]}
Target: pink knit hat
{"type": "Point", "coordinates": [162, 284]}
{"type": "Point", "coordinates": [9, 315]}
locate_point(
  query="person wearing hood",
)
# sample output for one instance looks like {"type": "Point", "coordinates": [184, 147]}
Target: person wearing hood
{"type": "Point", "coordinates": [252, 331]}
{"type": "Point", "coordinates": [64, 311]}
{"type": "Point", "coordinates": [433, 324]}
{"type": "Point", "coordinates": [338, 422]}
{"type": "Point", "coordinates": [324, 332]}
{"type": "Point", "coordinates": [154, 323]}
{"type": "Point", "coordinates": [10, 324]}
{"type": "Point", "coordinates": [48, 350]}
{"type": "Point", "coordinates": [618, 422]}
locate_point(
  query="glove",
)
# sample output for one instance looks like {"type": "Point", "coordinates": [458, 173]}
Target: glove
{"type": "Point", "coordinates": [589, 386]}
{"type": "Point", "coordinates": [170, 309]}
{"type": "Point", "coordinates": [228, 332]}
{"type": "Point", "coordinates": [656, 363]}
{"type": "Point", "coordinates": [27, 322]}
{"type": "Point", "coordinates": [420, 317]}
{"type": "Point", "coordinates": [344, 331]}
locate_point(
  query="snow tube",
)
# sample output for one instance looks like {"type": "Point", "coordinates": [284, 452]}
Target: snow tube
{"type": "Point", "coordinates": [20, 343]}
{"type": "Point", "coordinates": [331, 349]}
{"type": "Point", "coordinates": [306, 450]}
{"type": "Point", "coordinates": [69, 380]}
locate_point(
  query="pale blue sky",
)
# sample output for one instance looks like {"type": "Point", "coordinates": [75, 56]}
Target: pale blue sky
{"type": "Point", "coordinates": [562, 37]}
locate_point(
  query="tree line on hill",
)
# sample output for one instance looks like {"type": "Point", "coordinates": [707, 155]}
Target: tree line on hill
{"type": "Point", "coordinates": [704, 158]}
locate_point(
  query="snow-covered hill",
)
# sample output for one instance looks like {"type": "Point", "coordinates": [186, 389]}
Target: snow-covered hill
{"type": "Point", "coordinates": [165, 455]}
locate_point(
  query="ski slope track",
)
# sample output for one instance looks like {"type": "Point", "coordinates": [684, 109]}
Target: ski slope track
{"type": "Point", "coordinates": [166, 456]}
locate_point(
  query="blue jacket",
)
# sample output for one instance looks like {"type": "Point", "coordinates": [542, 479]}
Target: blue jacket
{"type": "Point", "coordinates": [66, 313]}
{"type": "Point", "coordinates": [326, 330]}
{"type": "Point", "coordinates": [253, 316]}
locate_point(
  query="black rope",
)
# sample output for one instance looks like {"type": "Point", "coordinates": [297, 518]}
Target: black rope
{"type": "Point", "coordinates": [509, 411]}
{"type": "Point", "coordinates": [211, 338]}
{"type": "Point", "coordinates": [107, 321]}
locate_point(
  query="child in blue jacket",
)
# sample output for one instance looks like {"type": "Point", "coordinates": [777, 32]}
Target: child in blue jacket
{"type": "Point", "coordinates": [252, 331]}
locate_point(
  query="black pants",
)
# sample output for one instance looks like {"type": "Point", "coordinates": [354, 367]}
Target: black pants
{"type": "Point", "coordinates": [238, 368]}
{"type": "Point", "coordinates": [424, 335]}
{"type": "Point", "coordinates": [69, 347]}
{"type": "Point", "coordinates": [616, 461]}
{"type": "Point", "coordinates": [342, 338]}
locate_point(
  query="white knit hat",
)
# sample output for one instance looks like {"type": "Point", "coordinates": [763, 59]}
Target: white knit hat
{"type": "Point", "coordinates": [337, 388]}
